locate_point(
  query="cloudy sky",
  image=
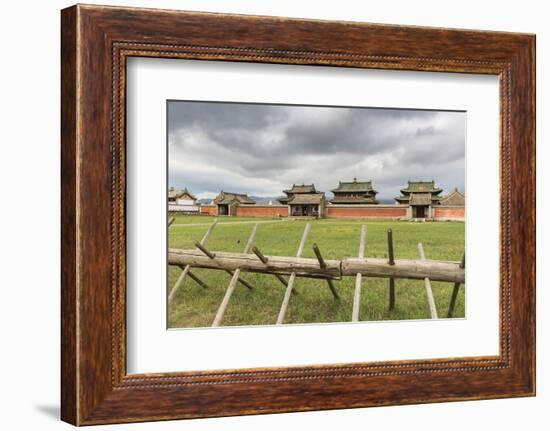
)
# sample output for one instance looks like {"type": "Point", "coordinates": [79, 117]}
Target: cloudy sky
{"type": "Point", "coordinates": [262, 149]}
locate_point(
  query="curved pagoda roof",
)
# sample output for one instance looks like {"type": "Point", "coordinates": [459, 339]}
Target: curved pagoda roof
{"type": "Point", "coordinates": [421, 187]}
{"type": "Point", "coordinates": [229, 198]}
{"type": "Point", "coordinates": [421, 199]}
{"type": "Point", "coordinates": [301, 188]}
{"type": "Point", "coordinates": [306, 198]}
{"type": "Point", "coordinates": [420, 193]}
{"type": "Point", "coordinates": [403, 199]}
{"type": "Point", "coordinates": [354, 187]}
{"type": "Point", "coordinates": [344, 199]}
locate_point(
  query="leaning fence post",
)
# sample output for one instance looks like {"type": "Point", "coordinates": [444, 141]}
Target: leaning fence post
{"type": "Point", "coordinates": [265, 261]}
{"type": "Point", "coordinates": [357, 295]}
{"type": "Point", "coordinates": [289, 287]}
{"type": "Point", "coordinates": [205, 250]}
{"type": "Point", "coordinates": [213, 256]}
{"type": "Point", "coordinates": [456, 288]}
{"type": "Point", "coordinates": [391, 261]}
{"type": "Point", "coordinates": [323, 265]}
{"type": "Point", "coordinates": [233, 282]}
{"type": "Point", "coordinates": [197, 279]}
{"type": "Point", "coordinates": [187, 267]}
{"type": "Point", "coordinates": [428, 284]}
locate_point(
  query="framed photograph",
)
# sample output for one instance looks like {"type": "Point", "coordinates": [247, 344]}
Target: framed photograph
{"type": "Point", "coordinates": [264, 215]}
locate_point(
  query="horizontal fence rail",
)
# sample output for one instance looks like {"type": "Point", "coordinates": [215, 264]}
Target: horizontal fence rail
{"type": "Point", "coordinates": [332, 269]}
{"type": "Point", "coordinates": [435, 270]}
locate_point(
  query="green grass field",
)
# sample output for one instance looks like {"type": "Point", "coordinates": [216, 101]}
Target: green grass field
{"type": "Point", "coordinates": [194, 306]}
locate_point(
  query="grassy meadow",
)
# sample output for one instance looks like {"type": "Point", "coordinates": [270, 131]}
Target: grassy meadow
{"type": "Point", "coordinates": [194, 306]}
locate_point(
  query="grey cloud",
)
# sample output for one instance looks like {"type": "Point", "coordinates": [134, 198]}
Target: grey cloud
{"type": "Point", "coordinates": [261, 149]}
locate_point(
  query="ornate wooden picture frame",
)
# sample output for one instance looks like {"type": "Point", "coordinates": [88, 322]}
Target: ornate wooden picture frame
{"type": "Point", "coordinates": [96, 41]}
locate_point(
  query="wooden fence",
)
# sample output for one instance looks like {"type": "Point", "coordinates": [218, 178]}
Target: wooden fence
{"type": "Point", "coordinates": [329, 270]}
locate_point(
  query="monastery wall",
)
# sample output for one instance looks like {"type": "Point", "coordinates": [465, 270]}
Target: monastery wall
{"type": "Point", "coordinates": [262, 211]}
{"type": "Point", "coordinates": [391, 212]}
{"type": "Point", "coordinates": [455, 213]}
{"type": "Point", "coordinates": [367, 211]}
{"type": "Point", "coordinates": [209, 209]}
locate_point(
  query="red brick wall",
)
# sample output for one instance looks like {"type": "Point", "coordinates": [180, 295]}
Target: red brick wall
{"type": "Point", "coordinates": [449, 213]}
{"type": "Point", "coordinates": [262, 211]}
{"type": "Point", "coordinates": [371, 211]}
{"type": "Point", "coordinates": [350, 211]}
{"type": "Point", "coordinates": [209, 209]}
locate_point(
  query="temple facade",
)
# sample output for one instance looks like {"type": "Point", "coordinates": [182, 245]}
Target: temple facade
{"type": "Point", "coordinates": [354, 193]}
{"type": "Point", "coordinates": [182, 200]}
{"type": "Point", "coordinates": [421, 196]}
{"type": "Point", "coordinates": [419, 201]}
{"type": "Point", "coordinates": [304, 201]}
{"type": "Point", "coordinates": [181, 197]}
{"type": "Point", "coordinates": [227, 202]}
{"type": "Point", "coordinates": [297, 189]}
{"type": "Point", "coordinates": [307, 205]}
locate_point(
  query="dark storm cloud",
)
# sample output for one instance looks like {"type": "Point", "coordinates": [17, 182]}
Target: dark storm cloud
{"type": "Point", "coordinates": [261, 149]}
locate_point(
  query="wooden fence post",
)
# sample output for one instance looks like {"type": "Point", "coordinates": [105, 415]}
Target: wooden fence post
{"type": "Point", "coordinates": [456, 288]}
{"type": "Point", "coordinates": [211, 255]}
{"type": "Point", "coordinates": [233, 282]}
{"type": "Point", "coordinates": [357, 295]}
{"type": "Point", "coordinates": [265, 261]}
{"type": "Point", "coordinates": [391, 262]}
{"type": "Point", "coordinates": [185, 271]}
{"type": "Point", "coordinates": [289, 287]}
{"type": "Point", "coordinates": [428, 284]}
{"type": "Point", "coordinates": [323, 265]}
{"type": "Point", "coordinates": [197, 280]}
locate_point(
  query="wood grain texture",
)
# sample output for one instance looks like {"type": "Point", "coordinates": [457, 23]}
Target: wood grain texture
{"type": "Point", "coordinates": [69, 372]}
{"type": "Point", "coordinates": [96, 41]}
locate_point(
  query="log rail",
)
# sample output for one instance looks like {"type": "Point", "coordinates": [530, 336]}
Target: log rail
{"type": "Point", "coordinates": [331, 270]}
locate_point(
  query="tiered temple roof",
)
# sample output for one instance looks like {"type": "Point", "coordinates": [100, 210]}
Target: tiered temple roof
{"type": "Point", "coordinates": [230, 198]}
{"type": "Point", "coordinates": [306, 198]}
{"type": "Point", "coordinates": [420, 199]}
{"type": "Point", "coordinates": [301, 188]}
{"type": "Point", "coordinates": [297, 189]}
{"type": "Point", "coordinates": [354, 192]}
{"type": "Point", "coordinates": [420, 193]}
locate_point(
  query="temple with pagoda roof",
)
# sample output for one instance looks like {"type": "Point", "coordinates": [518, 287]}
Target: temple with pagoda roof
{"type": "Point", "coordinates": [418, 201]}
{"type": "Point", "coordinates": [304, 200]}
{"type": "Point", "coordinates": [181, 196]}
{"type": "Point", "coordinates": [354, 192]}
{"type": "Point", "coordinates": [227, 202]}
{"type": "Point", "coordinates": [297, 189]}
{"type": "Point", "coordinates": [421, 196]}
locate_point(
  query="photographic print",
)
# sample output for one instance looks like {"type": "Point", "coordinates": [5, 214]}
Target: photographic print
{"type": "Point", "coordinates": [295, 214]}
